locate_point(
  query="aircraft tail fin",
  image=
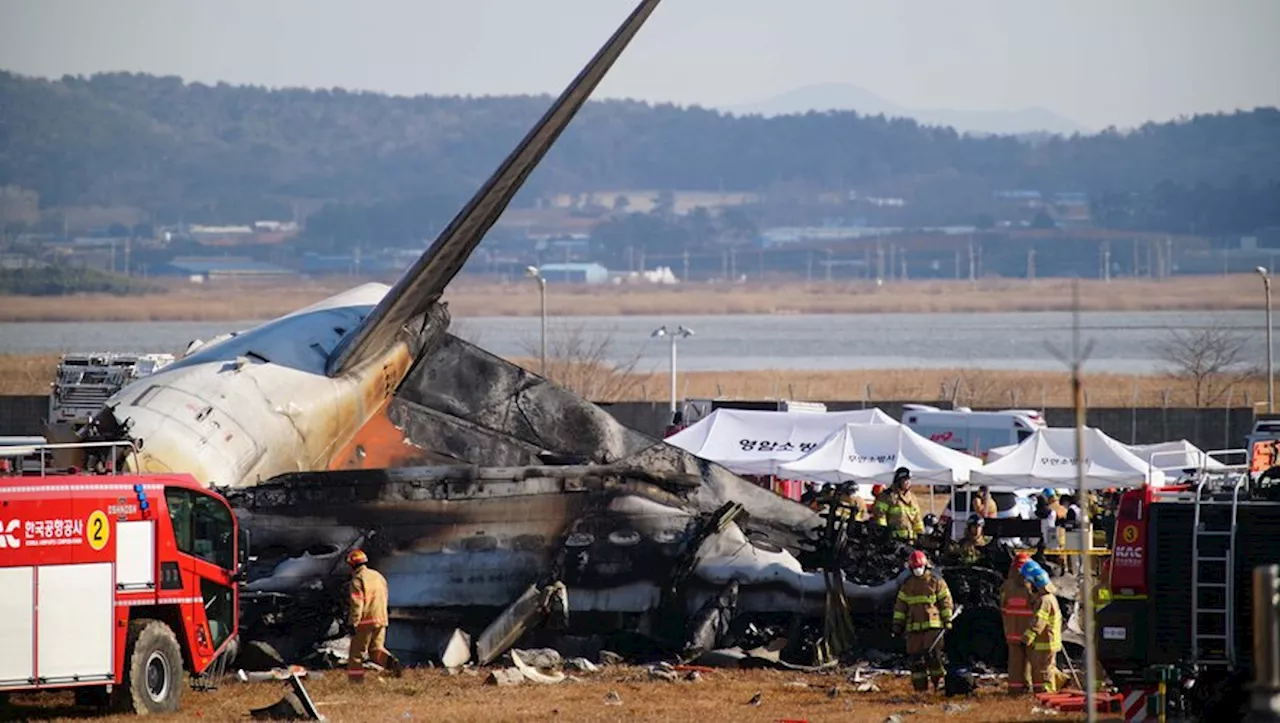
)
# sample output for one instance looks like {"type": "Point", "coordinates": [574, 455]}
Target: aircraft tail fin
{"type": "Point", "coordinates": [426, 280]}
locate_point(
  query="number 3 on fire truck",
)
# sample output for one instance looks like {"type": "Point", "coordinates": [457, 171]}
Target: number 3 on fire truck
{"type": "Point", "coordinates": [99, 530]}
{"type": "Point", "coordinates": [1130, 534]}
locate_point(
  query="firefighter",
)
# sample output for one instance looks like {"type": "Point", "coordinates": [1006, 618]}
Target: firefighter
{"type": "Point", "coordinates": [984, 504]}
{"type": "Point", "coordinates": [898, 510]}
{"type": "Point", "coordinates": [1015, 611]}
{"type": "Point", "coordinates": [1044, 636]}
{"type": "Point", "coordinates": [367, 615]}
{"type": "Point", "coordinates": [923, 612]}
{"type": "Point", "coordinates": [873, 509]}
{"type": "Point", "coordinates": [970, 548]}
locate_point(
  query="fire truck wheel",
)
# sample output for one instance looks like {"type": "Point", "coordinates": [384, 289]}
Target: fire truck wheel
{"type": "Point", "coordinates": [153, 672]}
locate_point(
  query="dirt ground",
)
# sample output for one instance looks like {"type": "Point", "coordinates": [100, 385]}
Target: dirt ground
{"type": "Point", "coordinates": [722, 695]}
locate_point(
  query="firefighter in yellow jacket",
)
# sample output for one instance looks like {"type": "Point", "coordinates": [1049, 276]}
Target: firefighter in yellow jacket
{"type": "Point", "coordinates": [1044, 637]}
{"type": "Point", "coordinates": [367, 615]}
{"type": "Point", "coordinates": [1015, 611]}
{"type": "Point", "coordinates": [898, 510]}
{"type": "Point", "coordinates": [923, 612]}
{"type": "Point", "coordinates": [973, 545]}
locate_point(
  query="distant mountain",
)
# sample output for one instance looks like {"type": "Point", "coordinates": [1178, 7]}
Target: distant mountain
{"type": "Point", "coordinates": [844, 96]}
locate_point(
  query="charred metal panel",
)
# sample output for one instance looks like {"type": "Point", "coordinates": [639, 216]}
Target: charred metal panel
{"type": "Point", "coordinates": [462, 382]}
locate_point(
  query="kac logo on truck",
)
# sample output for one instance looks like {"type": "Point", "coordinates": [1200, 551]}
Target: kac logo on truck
{"type": "Point", "coordinates": [1127, 556]}
{"type": "Point", "coordinates": [9, 534]}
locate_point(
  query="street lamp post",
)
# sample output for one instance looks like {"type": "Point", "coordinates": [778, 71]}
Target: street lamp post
{"type": "Point", "coordinates": [533, 273]}
{"type": "Point", "coordinates": [1271, 370]}
{"type": "Point", "coordinates": [680, 331]}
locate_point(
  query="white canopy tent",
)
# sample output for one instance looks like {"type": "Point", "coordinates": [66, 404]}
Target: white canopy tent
{"type": "Point", "coordinates": [1048, 458]}
{"type": "Point", "coordinates": [871, 452]}
{"type": "Point", "coordinates": [755, 442]}
{"type": "Point", "coordinates": [1175, 456]}
{"type": "Point", "coordinates": [996, 453]}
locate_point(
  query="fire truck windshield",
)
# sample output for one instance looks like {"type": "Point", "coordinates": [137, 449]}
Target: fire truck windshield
{"type": "Point", "coordinates": [202, 526]}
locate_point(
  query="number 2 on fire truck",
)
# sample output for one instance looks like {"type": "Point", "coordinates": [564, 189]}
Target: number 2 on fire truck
{"type": "Point", "coordinates": [99, 530]}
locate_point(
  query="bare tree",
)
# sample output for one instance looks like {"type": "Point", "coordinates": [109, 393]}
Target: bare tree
{"type": "Point", "coordinates": [585, 365]}
{"type": "Point", "coordinates": [1209, 360]}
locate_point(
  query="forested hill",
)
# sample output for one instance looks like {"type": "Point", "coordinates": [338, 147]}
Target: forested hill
{"type": "Point", "coordinates": [167, 146]}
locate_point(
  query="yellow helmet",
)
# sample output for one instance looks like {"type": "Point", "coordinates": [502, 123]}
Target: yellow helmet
{"type": "Point", "coordinates": [356, 558]}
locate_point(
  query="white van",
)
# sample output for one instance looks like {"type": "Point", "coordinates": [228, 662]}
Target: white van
{"type": "Point", "coordinates": [969, 431]}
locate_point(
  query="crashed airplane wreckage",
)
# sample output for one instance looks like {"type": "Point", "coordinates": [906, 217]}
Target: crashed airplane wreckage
{"type": "Point", "coordinates": [637, 559]}
{"type": "Point", "coordinates": [643, 547]}
{"type": "Point", "coordinates": [538, 488]}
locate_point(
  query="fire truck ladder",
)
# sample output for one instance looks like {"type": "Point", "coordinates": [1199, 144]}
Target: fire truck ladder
{"type": "Point", "coordinates": [1212, 577]}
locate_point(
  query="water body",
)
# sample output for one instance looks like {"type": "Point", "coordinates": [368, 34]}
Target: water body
{"type": "Point", "coordinates": [1123, 342]}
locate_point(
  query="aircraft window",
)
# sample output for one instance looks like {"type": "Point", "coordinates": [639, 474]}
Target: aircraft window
{"type": "Point", "coordinates": [1023, 434]}
{"type": "Point", "coordinates": [202, 526]}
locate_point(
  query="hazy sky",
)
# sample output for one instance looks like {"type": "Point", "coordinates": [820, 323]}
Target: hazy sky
{"type": "Point", "coordinates": [1099, 62]}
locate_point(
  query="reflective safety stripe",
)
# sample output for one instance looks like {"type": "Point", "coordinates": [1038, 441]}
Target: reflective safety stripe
{"type": "Point", "coordinates": [899, 615]}
{"type": "Point", "coordinates": [920, 599]}
{"type": "Point", "coordinates": [916, 627]}
{"type": "Point", "coordinates": [1019, 613]}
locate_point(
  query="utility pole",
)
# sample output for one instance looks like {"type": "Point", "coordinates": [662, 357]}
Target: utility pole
{"type": "Point", "coordinates": [1271, 369]}
{"type": "Point", "coordinates": [972, 262]}
{"type": "Point", "coordinates": [1031, 264]}
{"type": "Point", "coordinates": [686, 266]}
{"type": "Point", "coordinates": [1076, 363]}
{"type": "Point", "coordinates": [680, 331]}
{"type": "Point", "coordinates": [533, 273]}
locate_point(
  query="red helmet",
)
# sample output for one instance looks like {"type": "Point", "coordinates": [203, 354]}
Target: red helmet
{"type": "Point", "coordinates": [356, 558]}
{"type": "Point", "coordinates": [877, 490]}
{"type": "Point", "coordinates": [1021, 559]}
{"type": "Point", "coordinates": [917, 559]}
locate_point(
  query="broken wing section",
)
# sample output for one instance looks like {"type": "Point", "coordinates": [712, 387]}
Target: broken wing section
{"type": "Point", "coordinates": [426, 280]}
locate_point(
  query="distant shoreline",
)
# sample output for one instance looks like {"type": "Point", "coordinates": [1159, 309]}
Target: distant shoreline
{"type": "Point", "coordinates": [236, 301]}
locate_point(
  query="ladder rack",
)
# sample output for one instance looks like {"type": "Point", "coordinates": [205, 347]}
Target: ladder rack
{"type": "Point", "coordinates": [1213, 588]}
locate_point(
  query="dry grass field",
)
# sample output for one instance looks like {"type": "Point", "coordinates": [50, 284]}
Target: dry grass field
{"type": "Point", "coordinates": [428, 695]}
{"type": "Point", "coordinates": [31, 374]}
{"type": "Point", "coordinates": [234, 301]}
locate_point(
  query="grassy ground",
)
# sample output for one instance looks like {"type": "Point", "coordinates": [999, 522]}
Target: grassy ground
{"type": "Point", "coordinates": [227, 301]}
{"type": "Point", "coordinates": [31, 374]}
{"type": "Point", "coordinates": [428, 695]}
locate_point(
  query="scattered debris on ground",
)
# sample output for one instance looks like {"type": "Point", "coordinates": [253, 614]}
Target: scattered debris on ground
{"type": "Point", "coordinates": [614, 693]}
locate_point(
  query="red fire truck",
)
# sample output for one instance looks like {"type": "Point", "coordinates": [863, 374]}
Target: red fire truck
{"type": "Point", "coordinates": [1178, 629]}
{"type": "Point", "coordinates": [113, 584]}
